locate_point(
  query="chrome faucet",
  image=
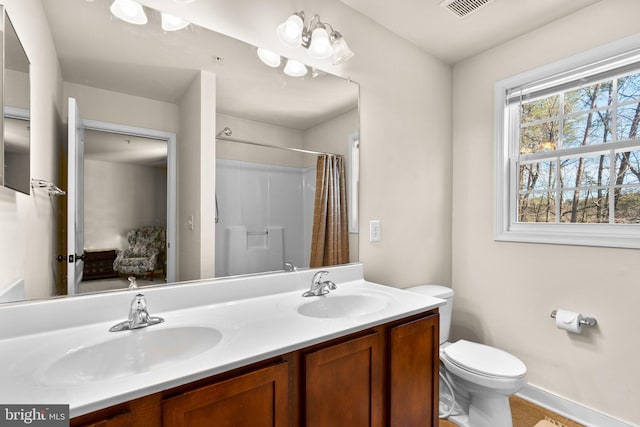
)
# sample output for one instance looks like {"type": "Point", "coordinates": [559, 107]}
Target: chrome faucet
{"type": "Point", "coordinates": [318, 286]}
{"type": "Point", "coordinates": [133, 284]}
{"type": "Point", "coordinates": [138, 316]}
{"type": "Point", "coordinates": [289, 266]}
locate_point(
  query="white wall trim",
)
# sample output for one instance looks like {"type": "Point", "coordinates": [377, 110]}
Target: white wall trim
{"type": "Point", "coordinates": [570, 409]}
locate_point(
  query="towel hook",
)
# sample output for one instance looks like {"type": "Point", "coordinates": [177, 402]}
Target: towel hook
{"type": "Point", "coordinates": [54, 190]}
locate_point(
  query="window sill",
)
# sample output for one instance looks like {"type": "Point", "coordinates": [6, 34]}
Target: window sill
{"type": "Point", "coordinates": [621, 236]}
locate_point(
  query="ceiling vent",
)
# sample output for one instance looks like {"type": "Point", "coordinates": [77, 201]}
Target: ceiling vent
{"type": "Point", "coordinates": [463, 8]}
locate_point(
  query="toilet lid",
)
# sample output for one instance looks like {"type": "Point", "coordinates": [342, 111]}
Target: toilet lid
{"type": "Point", "coordinates": [484, 359]}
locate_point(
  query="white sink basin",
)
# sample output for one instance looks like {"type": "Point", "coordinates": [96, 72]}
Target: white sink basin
{"type": "Point", "coordinates": [129, 353]}
{"type": "Point", "coordinates": [335, 306]}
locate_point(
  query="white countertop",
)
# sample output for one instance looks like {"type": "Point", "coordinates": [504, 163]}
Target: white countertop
{"type": "Point", "coordinates": [252, 328]}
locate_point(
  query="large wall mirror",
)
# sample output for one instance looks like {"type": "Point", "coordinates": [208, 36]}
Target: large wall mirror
{"type": "Point", "coordinates": [16, 102]}
{"type": "Point", "coordinates": [141, 77]}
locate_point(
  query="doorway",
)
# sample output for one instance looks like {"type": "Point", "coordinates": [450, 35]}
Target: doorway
{"type": "Point", "coordinates": [129, 182]}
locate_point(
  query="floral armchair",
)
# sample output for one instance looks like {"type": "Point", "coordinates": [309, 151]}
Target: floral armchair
{"type": "Point", "coordinates": [145, 254]}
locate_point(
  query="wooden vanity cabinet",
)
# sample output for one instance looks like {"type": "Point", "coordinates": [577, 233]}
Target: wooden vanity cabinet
{"type": "Point", "coordinates": [413, 368]}
{"type": "Point", "coordinates": [383, 376]}
{"type": "Point", "coordinates": [344, 383]}
{"type": "Point", "coordinates": [259, 398]}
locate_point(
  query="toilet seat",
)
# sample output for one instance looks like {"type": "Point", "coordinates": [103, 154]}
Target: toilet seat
{"type": "Point", "coordinates": [483, 360]}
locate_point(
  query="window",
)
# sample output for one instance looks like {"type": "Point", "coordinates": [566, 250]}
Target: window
{"type": "Point", "coordinates": [568, 151]}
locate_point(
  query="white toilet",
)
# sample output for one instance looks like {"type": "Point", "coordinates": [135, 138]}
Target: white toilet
{"type": "Point", "coordinates": [482, 377]}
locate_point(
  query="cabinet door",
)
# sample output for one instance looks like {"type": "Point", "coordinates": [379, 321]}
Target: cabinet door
{"type": "Point", "coordinates": [123, 420]}
{"type": "Point", "coordinates": [344, 384]}
{"type": "Point", "coordinates": [413, 373]}
{"type": "Point", "coordinates": [257, 399]}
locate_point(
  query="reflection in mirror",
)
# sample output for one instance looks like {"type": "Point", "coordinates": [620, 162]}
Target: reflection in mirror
{"type": "Point", "coordinates": [120, 74]}
{"type": "Point", "coordinates": [16, 112]}
{"type": "Point", "coordinates": [267, 212]}
{"type": "Point", "coordinates": [125, 188]}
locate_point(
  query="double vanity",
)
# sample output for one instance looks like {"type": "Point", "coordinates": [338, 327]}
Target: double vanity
{"type": "Point", "coordinates": [240, 351]}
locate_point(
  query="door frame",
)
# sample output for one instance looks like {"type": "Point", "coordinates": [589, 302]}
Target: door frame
{"type": "Point", "coordinates": [75, 196]}
{"type": "Point", "coordinates": [170, 138]}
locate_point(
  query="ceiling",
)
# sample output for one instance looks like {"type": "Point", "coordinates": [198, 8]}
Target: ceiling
{"type": "Point", "coordinates": [96, 49]}
{"type": "Point", "coordinates": [438, 31]}
{"type": "Point", "coordinates": [113, 147]}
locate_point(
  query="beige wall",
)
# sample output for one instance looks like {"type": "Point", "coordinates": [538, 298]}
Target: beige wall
{"type": "Point", "coordinates": [27, 249]}
{"type": "Point", "coordinates": [254, 131]}
{"type": "Point", "coordinates": [119, 197]}
{"type": "Point", "coordinates": [506, 291]}
{"type": "Point", "coordinates": [196, 180]}
{"type": "Point", "coordinates": [333, 135]}
{"type": "Point", "coordinates": [405, 108]}
{"type": "Point", "coordinates": [123, 109]}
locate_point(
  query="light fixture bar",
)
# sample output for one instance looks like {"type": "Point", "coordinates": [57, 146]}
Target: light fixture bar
{"type": "Point", "coordinates": [320, 39]}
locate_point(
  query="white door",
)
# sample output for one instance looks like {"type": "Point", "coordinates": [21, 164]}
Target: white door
{"type": "Point", "coordinates": [75, 199]}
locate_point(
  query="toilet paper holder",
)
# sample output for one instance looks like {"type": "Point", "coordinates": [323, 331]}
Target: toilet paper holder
{"type": "Point", "coordinates": [585, 321]}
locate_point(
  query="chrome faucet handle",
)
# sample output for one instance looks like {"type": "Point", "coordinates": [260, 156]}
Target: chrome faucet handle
{"type": "Point", "coordinates": [317, 278]}
{"type": "Point", "coordinates": [138, 316]}
{"type": "Point", "coordinates": [318, 286]}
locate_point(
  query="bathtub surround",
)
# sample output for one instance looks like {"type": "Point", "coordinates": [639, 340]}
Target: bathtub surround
{"type": "Point", "coordinates": [261, 216]}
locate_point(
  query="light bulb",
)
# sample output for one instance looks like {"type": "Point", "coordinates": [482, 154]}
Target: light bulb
{"type": "Point", "coordinates": [295, 68]}
{"type": "Point", "coordinates": [290, 32]}
{"type": "Point", "coordinates": [270, 58]}
{"type": "Point", "coordinates": [129, 11]}
{"type": "Point", "coordinates": [320, 47]}
{"type": "Point", "coordinates": [341, 52]}
{"type": "Point", "coordinates": [172, 22]}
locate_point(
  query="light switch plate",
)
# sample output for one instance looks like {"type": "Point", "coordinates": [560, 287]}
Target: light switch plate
{"type": "Point", "coordinates": [374, 231]}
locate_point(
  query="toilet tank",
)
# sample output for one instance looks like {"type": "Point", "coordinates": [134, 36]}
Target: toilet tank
{"type": "Point", "coordinates": [444, 293]}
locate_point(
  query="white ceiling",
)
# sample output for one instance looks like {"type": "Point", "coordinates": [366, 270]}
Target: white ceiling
{"type": "Point", "coordinates": [438, 31]}
{"type": "Point", "coordinates": [99, 50]}
{"type": "Point", "coordinates": [113, 147]}
{"type": "Point", "coordinates": [96, 49]}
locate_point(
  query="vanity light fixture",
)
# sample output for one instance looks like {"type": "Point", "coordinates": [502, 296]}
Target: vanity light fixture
{"type": "Point", "coordinates": [320, 39]}
{"type": "Point", "coordinates": [172, 22]}
{"type": "Point", "coordinates": [129, 11]}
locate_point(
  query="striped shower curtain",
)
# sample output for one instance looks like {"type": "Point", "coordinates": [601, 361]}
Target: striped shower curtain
{"type": "Point", "coordinates": [330, 238]}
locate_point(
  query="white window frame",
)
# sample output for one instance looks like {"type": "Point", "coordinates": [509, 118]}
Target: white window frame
{"type": "Point", "coordinates": [506, 228]}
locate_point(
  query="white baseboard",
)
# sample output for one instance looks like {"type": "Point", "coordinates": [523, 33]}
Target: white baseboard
{"type": "Point", "coordinates": [569, 409]}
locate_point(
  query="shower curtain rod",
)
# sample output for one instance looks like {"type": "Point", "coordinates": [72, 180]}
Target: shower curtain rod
{"type": "Point", "coordinates": [224, 135]}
